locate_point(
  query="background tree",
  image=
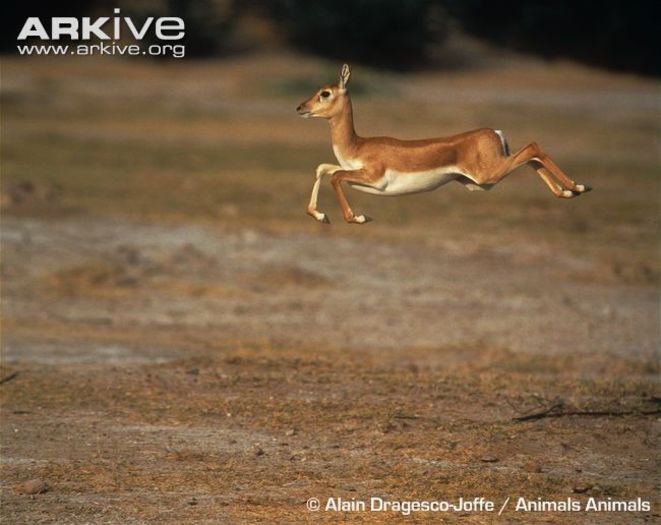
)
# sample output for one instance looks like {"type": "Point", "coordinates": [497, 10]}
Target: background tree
{"type": "Point", "coordinates": [612, 33]}
{"type": "Point", "coordinates": [393, 33]}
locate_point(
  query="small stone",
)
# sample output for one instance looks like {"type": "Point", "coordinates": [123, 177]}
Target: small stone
{"type": "Point", "coordinates": [192, 501]}
{"type": "Point", "coordinates": [581, 489]}
{"type": "Point", "coordinates": [489, 459]}
{"type": "Point", "coordinates": [193, 371]}
{"type": "Point", "coordinates": [291, 432]}
{"type": "Point", "coordinates": [259, 452]}
{"type": "Point", "coordinates": [33, 486]}
{"type": "Point", "coordinates": [533, 466]}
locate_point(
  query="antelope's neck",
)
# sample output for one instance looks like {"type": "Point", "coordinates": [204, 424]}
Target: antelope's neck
{"type": "Point", "coordinates": [343, 134]}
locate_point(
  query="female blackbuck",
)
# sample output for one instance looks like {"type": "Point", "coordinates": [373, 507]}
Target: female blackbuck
{"type": "Point", "coordinates": [388, 166]}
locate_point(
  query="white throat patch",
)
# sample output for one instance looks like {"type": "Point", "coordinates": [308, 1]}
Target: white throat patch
{"type": "Point", "coordinates": [347, 164]}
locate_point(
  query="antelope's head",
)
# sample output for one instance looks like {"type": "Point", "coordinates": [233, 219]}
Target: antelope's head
{"type": "Point", "coordinates": [329, 100]}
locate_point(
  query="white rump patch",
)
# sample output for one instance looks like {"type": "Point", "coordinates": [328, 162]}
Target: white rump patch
{"type": "Point", "coordinates": [503, 142]}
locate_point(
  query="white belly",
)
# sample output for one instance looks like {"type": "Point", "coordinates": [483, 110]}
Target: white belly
{"type": "Point", "coordinates": [400, 183]}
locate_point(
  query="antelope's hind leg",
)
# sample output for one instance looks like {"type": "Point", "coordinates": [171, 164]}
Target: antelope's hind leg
{"type": "Point", "coordinates": [560, 175]}
{"type": "Point", "coordinates": [554, 178]}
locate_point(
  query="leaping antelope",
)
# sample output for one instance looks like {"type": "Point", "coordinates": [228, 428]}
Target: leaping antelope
{"type": "Point", "coordinates": [387, 166]}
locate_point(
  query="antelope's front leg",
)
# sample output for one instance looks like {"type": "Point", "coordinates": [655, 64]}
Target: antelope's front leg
{"type": "Point", "coordinates": [357, 177]}
{"type": "Point", "coordinates": [322, 170]}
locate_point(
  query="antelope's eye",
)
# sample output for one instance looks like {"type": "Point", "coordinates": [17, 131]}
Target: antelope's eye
{"type": "Point", "coordinates": [325, 94]}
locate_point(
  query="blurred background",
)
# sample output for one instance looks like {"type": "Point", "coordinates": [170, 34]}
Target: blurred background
{"type": "Point", "coordinates": [212, 139]}
{"type": "Point", "coordinates": [392, 34]}
{"type": "Point", "coordinates": [162, 282]}
{"type": "Point", "coordinates": [223, 114]}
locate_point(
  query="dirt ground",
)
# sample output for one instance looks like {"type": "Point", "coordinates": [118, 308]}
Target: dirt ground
{"type": "Point", "coordinates": [181, 344]}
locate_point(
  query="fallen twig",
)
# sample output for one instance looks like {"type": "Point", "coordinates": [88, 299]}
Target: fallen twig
{"type": "Point", "coordinates": [557, 404]}
{"type": "Point", "coordinates": [8, 378]}
{"type": "Point", "coordinates": [407, 416]}
{"type": "Point", "coordinates": [588, 413]}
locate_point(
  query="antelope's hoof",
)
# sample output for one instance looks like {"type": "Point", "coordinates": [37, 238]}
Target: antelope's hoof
{"type": "Point", "coordinates": [361, 219]}
{"type": "Point", "coordinates": [568, 194]}
{"type": "Point", "coordinates": [318, 216]}
{"type": "Point", "coordinates": [581, 188]}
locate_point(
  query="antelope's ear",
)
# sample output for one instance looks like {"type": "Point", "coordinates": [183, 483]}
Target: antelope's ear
{"type": "Point", "coordinates": [345, 75]}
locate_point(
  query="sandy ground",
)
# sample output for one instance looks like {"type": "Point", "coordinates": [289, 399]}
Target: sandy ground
{"type": "Point", "coordinates": [181, 344]}
{"type": "Point", "coordinates": [180, 373]}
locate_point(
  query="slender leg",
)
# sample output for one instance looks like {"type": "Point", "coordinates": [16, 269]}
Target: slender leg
{"type": "Point", "coordinates": [322, 170]}
{"type": "Point", "coordinates": [560, 185]}
{"type": "Point", "coordinates": [548, 179]}
{"type": "Point", "coordinates": [358, 177]}
{"type": "Point", "coordinates": [560, 175]}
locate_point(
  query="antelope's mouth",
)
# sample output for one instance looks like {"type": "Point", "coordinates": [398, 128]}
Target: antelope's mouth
{"type": "Point", "coordinates": [304, 112]}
